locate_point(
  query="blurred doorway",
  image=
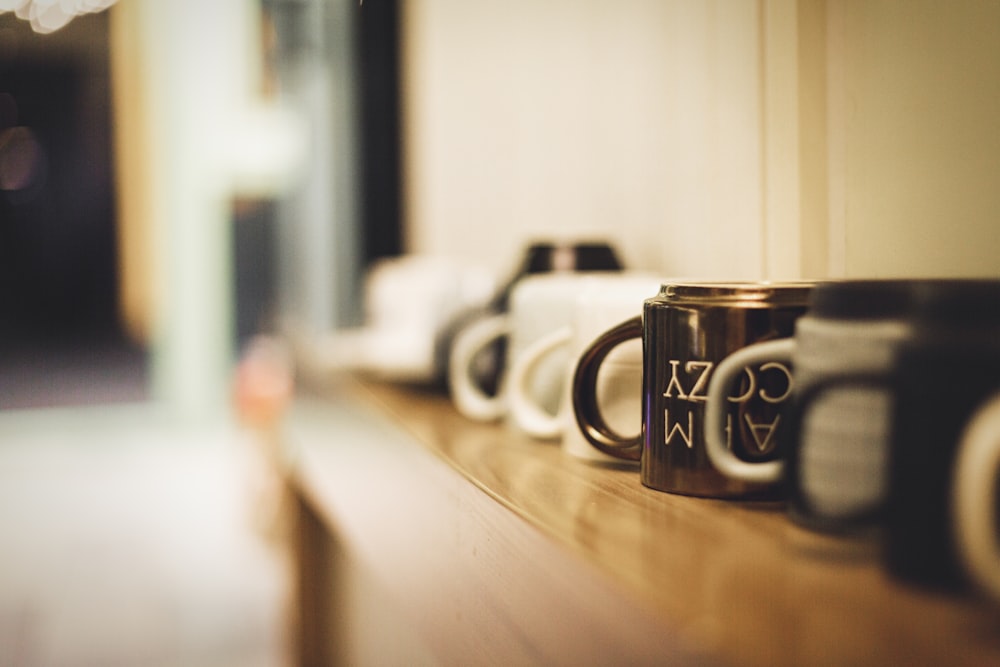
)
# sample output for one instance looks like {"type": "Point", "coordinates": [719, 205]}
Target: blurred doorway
{"type": "Point", "coordinates": [61, 338]}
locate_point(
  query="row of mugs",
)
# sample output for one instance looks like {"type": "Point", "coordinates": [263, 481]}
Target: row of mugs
{"type": "Point", "coordinates": [408, 338]}
{"type": "Point", "coordinates": [869, 405]}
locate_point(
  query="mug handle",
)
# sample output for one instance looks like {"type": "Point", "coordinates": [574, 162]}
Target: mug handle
{"type": "Point", "coordinates": [588, 414]}
{"type": "Point", "coordinates": [527, 414]}
{"type": "Point", "coordinates": [973, 487]}
{"type": "Point", "coordinates": [723, 377]}
{"type": "Point", "coordinates": [468, 397]}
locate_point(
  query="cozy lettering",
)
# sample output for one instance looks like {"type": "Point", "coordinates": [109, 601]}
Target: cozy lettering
{"type": "Point", "coordinates": [689, 382]}
{"type": "Point", "coordinates": [696, 375]}
{"type": "Point", "coordinates": [774, 366]}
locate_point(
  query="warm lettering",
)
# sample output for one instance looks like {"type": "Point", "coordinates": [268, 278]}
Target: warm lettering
{"type": "Point", "coordinates": [674, 382]}
{"type": "Point", "coordinates": [701, 384]}
{"type": "Point", "coordinates": [774, 365]}
{"type": "Point", "coordinates": [677, 429]}
{"type": "Point", "coordinates": [766, 429]}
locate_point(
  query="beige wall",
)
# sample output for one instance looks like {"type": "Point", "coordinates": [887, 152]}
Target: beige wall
{"type": "Point", "coordinates": [637, 120]}
{"type": "Point", "coordinates": [922, 138]}
{"type": "Point", "coordinates": [731, 138]}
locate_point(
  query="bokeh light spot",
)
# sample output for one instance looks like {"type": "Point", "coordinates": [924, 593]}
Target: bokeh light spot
{"type": "Point", "coordinates": [21, 159]}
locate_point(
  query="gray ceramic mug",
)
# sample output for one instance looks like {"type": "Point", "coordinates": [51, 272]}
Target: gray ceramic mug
{"type": "Point", "coordinates": [834, 468]}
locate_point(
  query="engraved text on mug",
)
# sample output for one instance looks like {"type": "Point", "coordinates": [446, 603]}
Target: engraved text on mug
{"type": "Point", "coordinates": [689, 383]}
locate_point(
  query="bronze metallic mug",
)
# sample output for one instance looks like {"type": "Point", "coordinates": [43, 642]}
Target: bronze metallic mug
{"type": "Point", "coordinates": [686, 330]}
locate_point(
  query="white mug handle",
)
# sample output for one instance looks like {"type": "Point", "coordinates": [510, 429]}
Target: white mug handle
{"type": "Point", "coordinates": [973, 492]}
{"type": "Point", "coordinates": [468, 397]}
{"type": "Point", "coordinates": [723, 377]}
{"type": "Point", "coordinates": [526, 412]}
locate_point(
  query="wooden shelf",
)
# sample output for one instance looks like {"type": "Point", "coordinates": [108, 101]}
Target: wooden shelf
{"type": "Point", "coordinates": [491, 544]}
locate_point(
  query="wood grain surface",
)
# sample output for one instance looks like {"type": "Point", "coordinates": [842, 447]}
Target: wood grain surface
{"type": "Point", "coordinates": [619, 569]}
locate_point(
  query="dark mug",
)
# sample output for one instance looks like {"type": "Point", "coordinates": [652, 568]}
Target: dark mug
{"type": "Point", "coordinates": [943, 376]}
{"type": "Point", "coordinates": [686, 330]}
{"type": "Point", "coordinates": [897, 453]}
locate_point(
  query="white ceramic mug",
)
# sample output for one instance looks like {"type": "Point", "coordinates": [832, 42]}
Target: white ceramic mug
{"type": "Point", "coordinates": [408, 300]}
{"type": "Point", "coordinates": [539, 304]}
{"type": "Point", "coordinates": [600, 305]}
{"type": "Point", "coordinates": [555, 255]}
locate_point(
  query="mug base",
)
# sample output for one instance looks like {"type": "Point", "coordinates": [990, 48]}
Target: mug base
{"type": "Point", "coordinates": [867, 527]}
{"type": "Point", "coordinates": [721, 489]}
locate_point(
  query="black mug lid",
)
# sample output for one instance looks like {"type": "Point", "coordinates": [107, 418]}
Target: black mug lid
{"type": "Point", "coordinates": [863, 299]}
{"type": "Point", "coordinates": [551, 256]}
{"type": "Point", "coordinates": [958, 302]}
{"type": "Point", "coordinates": [920, 299]}
{"type": "Point", "coordinates": [546, 256]}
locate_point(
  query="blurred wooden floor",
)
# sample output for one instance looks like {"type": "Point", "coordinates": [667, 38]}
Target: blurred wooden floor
{"type": "Point", "coordinates": [125, 539]}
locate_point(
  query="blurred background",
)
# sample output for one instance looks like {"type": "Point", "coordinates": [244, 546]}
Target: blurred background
{"type": "Point", "coordinates": [179, 177]}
